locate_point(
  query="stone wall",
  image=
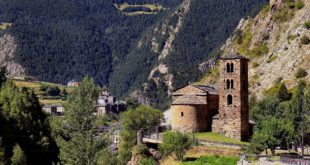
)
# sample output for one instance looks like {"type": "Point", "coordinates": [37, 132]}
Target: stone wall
{"type": "Point", "coordinates": [212, 110]}
{"type": "Point", "coordinates": [189, 118]}
{"type": "Point", "coordinates": [216, 125]}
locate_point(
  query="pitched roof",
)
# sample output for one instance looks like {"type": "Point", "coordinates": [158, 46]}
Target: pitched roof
{"type": "Point", "coordinates": [196, 89]}
{"type": "Point", "coordinates": [208, 89]}
{"type": "Point", "coordinates": [190, 100]}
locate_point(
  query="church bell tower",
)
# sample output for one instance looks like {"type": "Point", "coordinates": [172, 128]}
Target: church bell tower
{"type": "Point", "coordinates": [233, 97]}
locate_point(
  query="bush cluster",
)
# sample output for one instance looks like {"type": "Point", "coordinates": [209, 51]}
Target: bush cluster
{"type": "Point", "coordinates": [304, 40]}
{"type": "Point", "coordinates": [301, 73]}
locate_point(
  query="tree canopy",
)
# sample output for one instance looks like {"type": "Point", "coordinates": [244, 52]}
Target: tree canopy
{"type": "Point", "coordinates": [61, 40]}
{"type": "Point", "coordinates": [280, 118]}
{"type": "Point", "coordinates": [142, 117]}
{"type": "Point", "coordinates": [77, 133]}
{"type": "Point", "coordinates": [175, 143]}
{"type": "Point", "coordinates": [25, 126]}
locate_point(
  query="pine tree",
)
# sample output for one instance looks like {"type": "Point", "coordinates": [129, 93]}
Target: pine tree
{"type": "Point", "coordinates": [77, 133]}
{"type": "Point", "coordinates": [26, 125]}
{"type": "Point", "coordinates": [19, 157]}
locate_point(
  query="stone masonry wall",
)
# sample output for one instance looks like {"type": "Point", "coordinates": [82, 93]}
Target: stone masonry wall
{"type": "Point", "coordinates": [193, 119]}
{"type": "Point", "coordinates": [234, 117]}
{"type": "Point", "coordinates": [212, 109]}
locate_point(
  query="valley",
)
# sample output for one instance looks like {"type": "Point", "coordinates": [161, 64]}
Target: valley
{"type": "Point", "coordinates": [154, 82]}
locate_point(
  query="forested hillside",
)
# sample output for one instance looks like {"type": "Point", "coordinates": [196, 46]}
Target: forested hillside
{"type": "Point", "coordinates": [59, 40]}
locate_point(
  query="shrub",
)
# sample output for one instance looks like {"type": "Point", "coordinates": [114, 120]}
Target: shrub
{"type": "Point", "coordinates": [19, 156]}
{"type": "Point", "coordinates": [307, 25]}
{"type": "Point", "coordinates": [291, 37]}
{"type": "Point", "coordinates": [175, 143]}
{"type": "Point", "coordinates": [255, 64]}
{"type": "Point", "coordinates": [43, 87]}
{"type": "Point", "coordinates": [147, 161]}
{"type": "Point", "coordinates": [283, 14]}
{"type": "Point", "coordinates": [53, 91]}
{"type": "Point", "coordinates": [295, 5]}
{"type": "Point", "coordinates": [238, 36]}
{"type": "Point", "coordinates": [305, 40]}
{"type": "Point", "coordinates": [301, 73]}
{"type": "Point", "coordinates": [283, 93]}
{"type": "Point", "coordinates": [299, 4]}
{"type": "Point", "coordinates": [140, 150]}
{"type": "Point", "coordinates": [260, 50]}
{"type": "Point", "coordinates": [271, 59]}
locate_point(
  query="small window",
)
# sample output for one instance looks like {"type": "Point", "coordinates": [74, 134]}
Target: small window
{"type": "Point", "coordinates": [182, 114]}
{"type": "Point", "coordinates": [232, 84]}
{"type": "Point", "coordinates": [229, 100]}
{"type": "Point", "coordinates": [227, 67]}
{"type": "Point", "coordinates": [231, 67]}
{"type": "Point", "coordinates": [227, 84]}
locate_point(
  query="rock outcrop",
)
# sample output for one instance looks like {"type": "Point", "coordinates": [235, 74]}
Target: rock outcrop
{"type": "Point", "coordinates": [272, 41]}
{"type": "Point", "coordinates": [7, 49]}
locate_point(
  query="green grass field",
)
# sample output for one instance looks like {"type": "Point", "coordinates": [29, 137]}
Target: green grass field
{"type": "Point", "coordinates": [153, 7]}
{"type": "Point", "coordinates": [217, 138]}
{"type": "Point", "coordinates": [212, 160]}
{"type": "Point", "coordinates": [4, 25]}
{"type": "Point", "coordinates": [35, 86]}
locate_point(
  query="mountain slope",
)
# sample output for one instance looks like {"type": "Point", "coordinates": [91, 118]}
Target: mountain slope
{"type": "Point", "coordinates": [273, 42]}
{"type": "Point", "coordinates": [178, 44]}
{"type": "Point", "coordinates": [151, 45]}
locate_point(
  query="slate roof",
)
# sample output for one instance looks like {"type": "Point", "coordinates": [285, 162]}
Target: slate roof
{"type": "Point", "coordinates": [190, 100]}
{"type": "Point", "coordinates": [193, 94]}
{"type": "Point", "coordinates": [208, 89]}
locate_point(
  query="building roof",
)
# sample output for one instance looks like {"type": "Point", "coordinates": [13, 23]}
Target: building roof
{"type": "Point", "coordinates": [196, 89]}
{"type": "Point", "coordinates": [190, 100]}
{"type": "Point", "coordinates": [207, 88]}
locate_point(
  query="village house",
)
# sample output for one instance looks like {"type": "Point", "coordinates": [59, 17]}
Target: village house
{"type": "Point", "coordinates": [223, 109]}
{"type": "Point", "coordinates": [73, 83]}
{"type": "Point", "coordinates": [107, 104]}
{"type": "Point", "coordinates": [57, 110]}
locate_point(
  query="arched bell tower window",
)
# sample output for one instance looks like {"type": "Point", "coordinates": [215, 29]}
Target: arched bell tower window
{"type": "Point", "coordinates": [227, 67]}
{"type": "Point", "coordinates": [232, 67]}
{"type": "Point", "coordinates": [182, 114]}
{"type": "Point", "coordinates": [229, 100]}
{"type": "Point", "coordinates": [227, 84]}
{"type": "Point", "coordinates": [232, 84]}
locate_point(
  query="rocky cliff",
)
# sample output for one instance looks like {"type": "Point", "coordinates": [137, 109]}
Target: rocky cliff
{"type": "Point", "coordinates": [7, 49]}
{"type": "Point", "coordinates": [276, 43]}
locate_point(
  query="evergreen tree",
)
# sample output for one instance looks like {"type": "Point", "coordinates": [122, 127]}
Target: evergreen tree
{"type": "Point", "coordinates": [25, 124]}
{"type": "Point", "coordinates": [19, 157]}
{"type": "Point", "coordinates": [297, 114]}
{"type": "Point", "coordinates": [77, 132]}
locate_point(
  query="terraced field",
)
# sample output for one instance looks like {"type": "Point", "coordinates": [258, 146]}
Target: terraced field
{"type": "Point", "coordinates": [44, 100]}
{"type": "Point", "coordinates": [138, 9]}
{"type": "Point", "coordinates": [4, 25]}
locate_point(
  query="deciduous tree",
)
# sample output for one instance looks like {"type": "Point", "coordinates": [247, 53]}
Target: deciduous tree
{"type": "Point", "coordinates": [175, 143]}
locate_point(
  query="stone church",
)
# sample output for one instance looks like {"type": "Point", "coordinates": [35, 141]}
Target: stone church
{"type": "Point", "coordinates": [223, 109]}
